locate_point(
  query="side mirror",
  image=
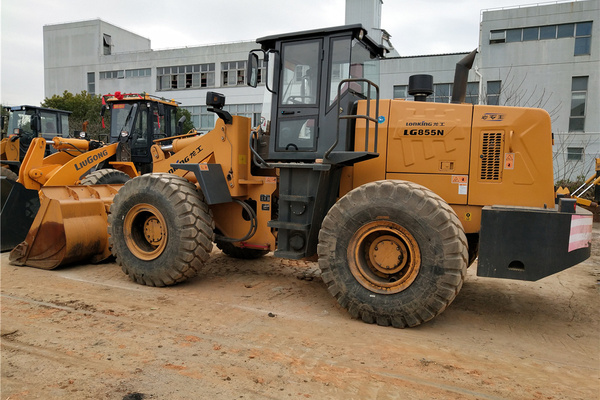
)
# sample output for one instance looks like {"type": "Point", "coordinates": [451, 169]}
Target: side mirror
{"type": "Point", "coordinates": [252, 70]}
{"type": "Point", "coordinates": [161, 109]}
{"type": "Point", "coordinates": [180, 125]}
{"type": "Point", "coordinates": [103, 109]}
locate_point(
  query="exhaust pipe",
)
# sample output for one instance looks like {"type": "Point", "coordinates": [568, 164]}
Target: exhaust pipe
{"type": "Point", "coordinates": [461, 76]}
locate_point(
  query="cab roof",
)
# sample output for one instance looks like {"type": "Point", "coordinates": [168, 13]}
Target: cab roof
{"type": "Point", "coordinates": [357, 31]}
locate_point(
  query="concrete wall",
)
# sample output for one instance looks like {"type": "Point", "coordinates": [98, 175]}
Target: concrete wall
{"type": "Point", "coordinates": [72, 50]}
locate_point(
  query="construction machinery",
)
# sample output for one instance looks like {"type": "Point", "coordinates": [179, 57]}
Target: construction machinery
{"type": "Point", "coordinates": [136, 121]}
{"type": "Point", "coordinates": [25, 123]}
{"type": "Point", "coordinates": [395, 198]}
{"type": "Point", "coordinates": [588, 193]}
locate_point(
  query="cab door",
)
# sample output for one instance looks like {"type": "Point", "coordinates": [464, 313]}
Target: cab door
{"type": "Point", "coordinates": [298, 100]}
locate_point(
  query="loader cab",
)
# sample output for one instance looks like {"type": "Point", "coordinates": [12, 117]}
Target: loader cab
{"type": "Point", "coordinates": [313, 77]}
{"type": "Point", "coordinates": [140, 119]}
{"type": "Point", "coordinates": [28, 122]}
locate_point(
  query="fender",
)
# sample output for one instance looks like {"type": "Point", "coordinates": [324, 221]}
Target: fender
{"type": "Point", "coordinates": [211, 180]}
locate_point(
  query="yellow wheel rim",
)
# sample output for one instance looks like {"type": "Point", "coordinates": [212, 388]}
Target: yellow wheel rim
{"type": "Point", "coordinates": [145, 231]}
{"type": "Point", "coordinates": [384, 257]}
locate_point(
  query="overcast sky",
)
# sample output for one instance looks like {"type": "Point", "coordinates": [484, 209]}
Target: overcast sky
{"type": "Point", "coordinates": [416, 27]}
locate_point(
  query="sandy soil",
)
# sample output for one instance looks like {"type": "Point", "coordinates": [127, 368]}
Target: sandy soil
{"type": "Point", "coordinates": [268, 329]}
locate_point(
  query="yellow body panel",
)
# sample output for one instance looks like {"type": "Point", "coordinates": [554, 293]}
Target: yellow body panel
{"type": "Point", "coordinates": [471, 156]}
{"type": "Point", "coordinates": [516, 171]}
{"type": "Point", "coordinates": [60, 168]}
{"type": "Point", "coordinates": [425, 138]}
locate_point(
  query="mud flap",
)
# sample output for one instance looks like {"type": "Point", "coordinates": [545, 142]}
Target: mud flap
{"type": "Point", "coordinates": [531, 243]}
{"type": "Point", "coordinates": [19, 207]}
{"type": "Point", "coordinates": [70, 226]}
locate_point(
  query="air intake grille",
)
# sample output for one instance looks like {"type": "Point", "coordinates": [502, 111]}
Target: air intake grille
{"type": "Point", "coordinates": [491, 156]}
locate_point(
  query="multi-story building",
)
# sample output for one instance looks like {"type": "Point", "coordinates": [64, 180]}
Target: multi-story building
{"type": "Point", "coordinates": [544, 56]}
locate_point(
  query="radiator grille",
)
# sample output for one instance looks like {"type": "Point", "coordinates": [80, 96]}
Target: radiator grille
{"type": "Point", "coordinates": [491, 156]}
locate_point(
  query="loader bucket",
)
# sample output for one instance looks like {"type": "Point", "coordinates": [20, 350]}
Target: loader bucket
{"type": "Point", "coordinates": [70, 226]}
{"type": "Point", "coordinates": [19, 207]}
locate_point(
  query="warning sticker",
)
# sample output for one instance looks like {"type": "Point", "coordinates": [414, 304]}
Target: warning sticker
{"type": "Point", "coordinates": [203, 167]}
{"type": "Point", "coordinates": [460, 179]}
{"type": "Point", "coordinates": [462, 188]}
{"type": "Point", "coordinates": [509, 160]}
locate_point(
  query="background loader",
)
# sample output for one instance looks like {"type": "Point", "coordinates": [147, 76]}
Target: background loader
{"type": "Point", "coordinates": [24, 123]}
{"type": "Point", "coordinates": [395, 198]}
{"type": "Point", "coordinates": [136, 121]}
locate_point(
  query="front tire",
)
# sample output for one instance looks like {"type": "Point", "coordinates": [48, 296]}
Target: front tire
{"type": "Point", "coordinates": [393, 253]}
{"type": "Point", "coordinates": [161, 229]}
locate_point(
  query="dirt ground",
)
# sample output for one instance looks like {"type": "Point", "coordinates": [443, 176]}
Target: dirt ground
{"type": "Point", "coordinates": [268, 329]}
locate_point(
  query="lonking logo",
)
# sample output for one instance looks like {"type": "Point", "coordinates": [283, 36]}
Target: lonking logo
{"type": "Point", "coordinates": [91, 159]}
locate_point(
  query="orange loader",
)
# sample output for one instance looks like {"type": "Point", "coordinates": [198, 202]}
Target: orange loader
{"type": "Point", "coordinates": [395, 198]}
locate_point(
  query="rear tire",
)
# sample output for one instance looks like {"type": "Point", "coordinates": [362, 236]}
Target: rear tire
{"type": "Point", "coordinates": [105, 177]}
{"type": "Point", "coordinates": [161, 229]}
{"type": "Point", "coordinates": [392, 253]}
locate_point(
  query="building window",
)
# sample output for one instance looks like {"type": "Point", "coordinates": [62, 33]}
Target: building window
{"type": "Point", "coordinates": [251, 111]}
{"type": "Point", "coordinates": [111, 74]}
{"type": "Point", "coordinates": [579, 86]}
{"type": "Point", "coordinates": [441, 93]}
{"type": "Point", "coordinates": [582, 31]}
{"type": "Point", "coordinates": [498, 36]}
{"type": "Point", "coordinates": [204, 120]}
{"type": "Point", "coordinates": [531, 34]}
{"type": "Point", "coordinates": [548, 32]}
{"type": "Point", "coordinates": [472, 96]}
{"type": "Point", "coordinates": [91, 83]}
{"type": "Point", "coordinates": [185, 77]}
{"type": "Point", "coordinates": [493, 92]}
{"type": "Point", "coordinates": [233, 73]}
{"type": "Point", "coordinates": [106, 44]}
{"type": "Point", "coordinates": [583, 38]}
{"type": "Point", "coordinates": [138, 73]}
{"type": "Point", "coordinates": [400, 92]}
{"type": "Point", "coordinates": [565, 30]}
{"type": "Point", "coordinates": [514, 35]}
{"type": "Point", "coordinates": [574, 153]}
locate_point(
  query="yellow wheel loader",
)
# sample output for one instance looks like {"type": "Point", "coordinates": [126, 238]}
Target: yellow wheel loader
{"type": "Point", "coordinates": [395, 198]}
{"type": "Point", "coordinates": [136, 121]}
{"type": "Point", "coordinates": [23, 124]}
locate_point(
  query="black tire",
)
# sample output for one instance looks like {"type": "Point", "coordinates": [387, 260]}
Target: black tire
{"type": "Point", "coordinates": [169, 208]}
{"type": "Point", "coordinates": [392, 253]}
{"type": "Point", "coordinates": [237, 252]}
{"type": "Point", "coordinates": [8, 174]}
{"type": "Point", "coordinates": [106, 176]}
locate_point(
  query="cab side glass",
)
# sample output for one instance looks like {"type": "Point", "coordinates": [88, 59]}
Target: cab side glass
{"type": "Point", "coordinates": [252, 72]}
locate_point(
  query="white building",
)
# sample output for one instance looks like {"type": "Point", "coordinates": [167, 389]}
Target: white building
{"type": "Point", "coordinates": [544, 56]}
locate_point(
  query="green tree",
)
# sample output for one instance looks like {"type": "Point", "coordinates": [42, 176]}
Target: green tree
{"type": "Point", "coordinates": [188, 125]}
{"type": "Point", "coordinates": [85, 107]}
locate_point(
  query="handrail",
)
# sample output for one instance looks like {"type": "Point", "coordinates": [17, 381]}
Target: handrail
{"type": "Point", "coordinates": [366, 117]}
